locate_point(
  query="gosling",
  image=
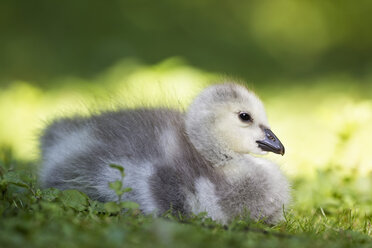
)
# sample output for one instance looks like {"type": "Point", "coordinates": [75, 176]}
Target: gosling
{"type": "Point", "coordinates": [193, 162]}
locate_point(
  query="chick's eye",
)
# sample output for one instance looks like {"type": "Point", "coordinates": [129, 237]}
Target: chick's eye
{"type": "Point", "coordinates": [245, 117]}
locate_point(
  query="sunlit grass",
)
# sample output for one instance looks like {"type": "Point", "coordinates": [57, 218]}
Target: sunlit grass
{"type": "Point", "coordinates": [320, 125]}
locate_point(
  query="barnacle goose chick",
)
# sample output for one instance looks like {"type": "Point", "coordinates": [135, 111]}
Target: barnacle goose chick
{"type": "Point", "coordinates": [198, 161]}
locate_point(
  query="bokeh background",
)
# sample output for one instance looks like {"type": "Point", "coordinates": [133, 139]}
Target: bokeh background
{"type": "Point", "coordinates": [310, 62]}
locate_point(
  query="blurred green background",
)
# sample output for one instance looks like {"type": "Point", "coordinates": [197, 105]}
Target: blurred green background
{"type": "Point", "coordinates": [310, 61]}
{"type": "Point", "coordinates": [259, 41]}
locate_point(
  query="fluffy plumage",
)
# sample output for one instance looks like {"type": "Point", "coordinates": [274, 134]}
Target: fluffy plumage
{"type": "Point", "coordinates": [198, 161]}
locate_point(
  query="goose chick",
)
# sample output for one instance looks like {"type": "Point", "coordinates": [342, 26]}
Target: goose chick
{"type": "Point", "coordinates": [198, 161]}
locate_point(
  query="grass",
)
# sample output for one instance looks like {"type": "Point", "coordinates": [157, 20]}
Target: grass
{"type": "Point", "coordinates": [328, 161]}
{"type": "Point", "coordinates": [323, 214]}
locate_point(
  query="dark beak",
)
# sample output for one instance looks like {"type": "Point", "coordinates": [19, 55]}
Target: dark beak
{"type": "Point", "coordinates": [271, 143]}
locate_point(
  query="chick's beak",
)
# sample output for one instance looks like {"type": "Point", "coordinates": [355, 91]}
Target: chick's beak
{"type": "Point", "coordinates": [271, 143]}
